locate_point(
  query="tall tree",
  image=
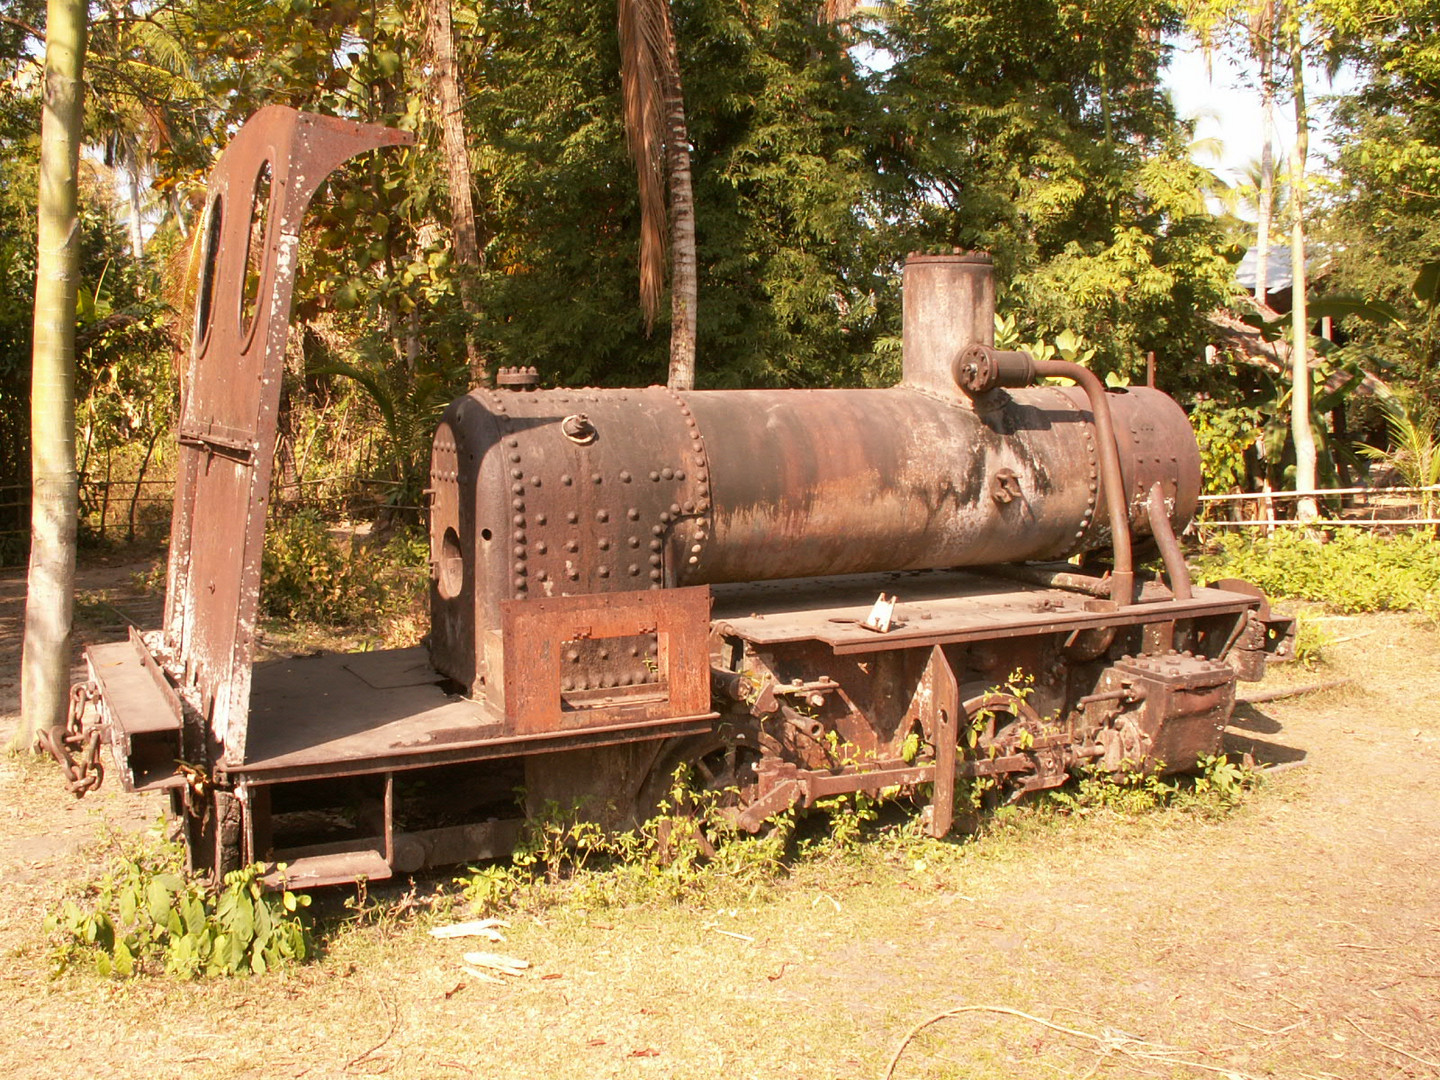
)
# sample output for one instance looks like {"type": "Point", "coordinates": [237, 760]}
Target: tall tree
{"type": "Point", "coordinates": [49, 606]}
{"type": "Point", "coordinates": [659, 141]}
{"type": "Point", "coordinates": [1293, 29]}
{"type": "Point", "coordinates": [1294, 32]}
{"type": "Point", "coordinates": [440, 40]}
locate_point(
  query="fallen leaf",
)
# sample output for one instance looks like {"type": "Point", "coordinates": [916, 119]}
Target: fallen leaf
{"type": "Point", "coordinates": [647, 1052]}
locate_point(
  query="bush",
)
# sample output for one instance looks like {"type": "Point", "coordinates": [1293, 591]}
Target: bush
{"type": "Point", "coordinates": [310, 576]}
{"type": "Point", "coordinates": [147, 915]}
{"type": "Point", "coordinates": [1351, 571]}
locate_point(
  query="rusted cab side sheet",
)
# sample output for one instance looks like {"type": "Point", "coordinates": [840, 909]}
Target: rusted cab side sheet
{"type": "Point", "coordinates": [258, 194]}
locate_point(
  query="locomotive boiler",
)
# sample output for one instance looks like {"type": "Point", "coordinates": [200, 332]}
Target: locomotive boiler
{"type": "Point", "coordinates": [796, 593]}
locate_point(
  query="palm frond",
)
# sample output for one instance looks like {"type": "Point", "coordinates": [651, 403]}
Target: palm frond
{"type": "Point", "coordinates": [642, 83]}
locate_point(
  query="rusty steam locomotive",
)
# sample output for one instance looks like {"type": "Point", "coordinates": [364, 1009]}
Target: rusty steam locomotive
{"type": "Point", "coordinates": [789, 590]}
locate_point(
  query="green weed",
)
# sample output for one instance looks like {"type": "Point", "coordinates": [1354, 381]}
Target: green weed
{"type": "Point", "coordinates": [146, 915]}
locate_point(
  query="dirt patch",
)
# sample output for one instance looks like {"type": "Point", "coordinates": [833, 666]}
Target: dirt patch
{"type": "Point", "coordinates": [1298, 936]}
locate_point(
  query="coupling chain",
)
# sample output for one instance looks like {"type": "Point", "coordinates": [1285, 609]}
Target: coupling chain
{"type": "Point", "coordinates": [76, 747]}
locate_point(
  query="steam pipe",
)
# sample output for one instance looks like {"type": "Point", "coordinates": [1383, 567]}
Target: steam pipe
{"type": "Point", "coordinates": [979, 369]}
{"type": "Point", "coordinates": [1175, 568]}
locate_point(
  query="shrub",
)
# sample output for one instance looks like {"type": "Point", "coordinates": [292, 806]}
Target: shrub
{"type": "Point", "coordinates": [310, 576]}
{"type": "Point", "coordinates": [1350, 571]}
{"type": "Point", "coordinates": [147, 915]}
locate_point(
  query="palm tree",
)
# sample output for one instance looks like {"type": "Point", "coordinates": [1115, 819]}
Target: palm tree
{"type": "Point", "coordinates": [659, 141]}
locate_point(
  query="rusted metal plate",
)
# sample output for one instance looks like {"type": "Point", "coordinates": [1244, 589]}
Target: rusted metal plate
{"type": "Point", "coordinates": [545, 637]}
{"type": "Point", "coordinates": [144, 719]}
{"type": "Point", "coordinates": [934, 608]}
{"type": "Point", "coordinates": [258, 193]}
{"type": "Point", "coordinates": [318, 716]}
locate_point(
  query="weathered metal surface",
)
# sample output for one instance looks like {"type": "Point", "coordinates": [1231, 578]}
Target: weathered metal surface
{"type": "Point", "coordinates": [143, 713]}
{"type": "Point", "coordinates": [257, 195]}
{"type": "Point", "coordinates": [560, 674]}
{"type": "Point", "coordinates": [943, 710]}
{"type": "Point", "coordinates": [1174, 710]}
{"type": "Point", "coordinates": [949, 302]}
{"type": "Point", "coordinates": [321, 716]}
{"type": "Point", "coordinates": [940, 607]}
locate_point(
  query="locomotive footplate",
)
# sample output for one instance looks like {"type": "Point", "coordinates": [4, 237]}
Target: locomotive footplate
{"type": "Point", "coordinates": [938, 607]}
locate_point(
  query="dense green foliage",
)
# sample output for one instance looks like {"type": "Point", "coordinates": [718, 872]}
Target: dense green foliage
{"type": "Point", "coordinates": [1381, 229]}
{"type": "Point", "coordinates": [1351, 570]}
{"type": "Point", "coordinates": [822, 153]}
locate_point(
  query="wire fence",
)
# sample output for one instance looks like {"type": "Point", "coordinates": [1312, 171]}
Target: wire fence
{"type": "Point", "coordinates": [1391, 507]}
{"type": "Point", "coordinates": [129, 510]}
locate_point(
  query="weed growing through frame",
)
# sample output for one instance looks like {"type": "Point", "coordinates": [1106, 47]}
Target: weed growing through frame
{"type": "Point", "coordinates": [146, 915]}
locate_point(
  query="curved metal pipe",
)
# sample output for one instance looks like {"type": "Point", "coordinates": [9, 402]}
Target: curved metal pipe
{"type": "Point", "coordinates": [980, 369]}
{"type": "Point", "coordinates": [1175, 568]}
{"type": "Point", "coordinates": [1122, 582]}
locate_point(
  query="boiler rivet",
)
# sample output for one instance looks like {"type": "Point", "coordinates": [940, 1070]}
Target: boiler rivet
{"type": "Point", "coordinates": [516, 473]}
{"type": "Point", "coordinates": [519, 569]}
{"type": "Point", "coordinates": [518, 519]}
{"type": "Point", "coordinates": [520, 584]}
{"type": "Point", "coordinates": [694, 559]}
{"type": "Point", "coordinates": [572, 517]}
{"type": "Point", "coordinates": [655, 575]}
{"type": "Point", "coordinates": [654, 560]}
{"type": "Point", "coordinates": [656, 545]}
{"type": "Point", "coordinates": [634, 572]}
{"type": "Point", "coordinates": [657, 530]}
{"type": "Point", "coordinates": [595, 478]}
{"type": "Point", "coordinates": [518, 504]}
{"type": "Point", "coordinates": [695, 549]}
{"type": "Point", "coordinates": [634, 541]}
{"type": "Point", "coordinates": [624, 477]}
{"type": "Point", "coordinates": [654, 476]}
{"type": "Point", "coordinates": [633, 514]}
{"type": "Point", "coordinates": [572, 545]}
{"type": "Point", "coordinates": [535, 480]}
{"type": "Point", "coordinates": [513, 442]}
{"type": "Point", "coordinates": [518, 489]}
{"type": "Point", "coordinates": [515, 458]}
{"type": "Point", "coordinates": [679, 474]}
{"type": "Point", "coordinates": [689, 507]}
{"type": "Point", "coordinates": [574, 575]}
{"type": "Point", "coordinates": [674, 508]}
{"type": "Point", "coordinates": [519, 551]}
{"type": "Point", "coordinates": [567, 479]}
{"type": "Point", "coordinates": [604, 545]}
{"type": "Point", "coordinates": [604, 571]}
{"type": "Point", "coordinates": [602, 515]}
{"type": "Point", "coordinates": [539, 519]}
{"type": "Point", "coordinates": [573, 656]}
{"type": "Point", "coordinates": [665, 517]}
{"type": "Point", "coordinates": [668, 474]}
{"type": "Point", "coordinates": [542, 547]}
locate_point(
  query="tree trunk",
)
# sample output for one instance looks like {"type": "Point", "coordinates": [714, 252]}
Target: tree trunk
{"type": "Point", "coordinates": [457, 169]}
{"type": "Point", "coordinates": [132, 199]}
{"type": "Point", "coordinates": [1300, 427]}
{"type": "Point", "coordinates": [49, 604]}
{"type": "Point", "coordinates": [1267, 173]}
{"type": "Point", "coordinates": [684, 285]}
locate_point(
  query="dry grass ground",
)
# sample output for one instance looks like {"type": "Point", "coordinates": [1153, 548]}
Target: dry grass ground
{"type": "Point", "coordinates": [1297, 936]}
